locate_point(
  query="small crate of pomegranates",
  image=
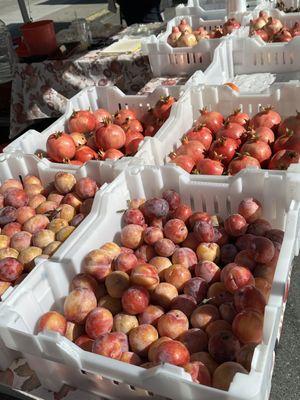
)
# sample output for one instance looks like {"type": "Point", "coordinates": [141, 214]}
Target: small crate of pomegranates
{"type": "Point", "coordinates": [177, 291]}
{"type": "Point", "coordinates": [188, 44]}
{"type": "Point", "coordinates": [102, 123]}
{"type": "Point", "coordinates": [233, 130]}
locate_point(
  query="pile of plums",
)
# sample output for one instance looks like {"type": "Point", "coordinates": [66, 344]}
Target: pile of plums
{"type": "Point", "coordinates": [183, 35]}
{"type": "Point", "coordinates": [216, 145]}
{"type": "Point", "coordinates": [181, 287]}
{"type": "Point", "coordinates": [272, 30]}
{"type": "Point", "coordinates": [101, 135]}
{"type": "Point", "coordinates": [35, 220]}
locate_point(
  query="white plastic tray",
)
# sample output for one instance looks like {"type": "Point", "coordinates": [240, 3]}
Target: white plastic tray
{"type": "Point", "coordinates": [111, 98]}
{"type": "Point", "coordinates": [284, 97]}
{"type": "Point", "coordinates": [56, 360]}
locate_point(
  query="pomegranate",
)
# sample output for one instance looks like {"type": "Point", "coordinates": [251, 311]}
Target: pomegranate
{"type": "Point", "coordinates": [132, 125]}
{"type": "Point", "coordinates": [202, 134]}
{"type": "Point", "coordinates": [79, 138]}
{"type": "Point", "coordinates": [212, 119]}
{"type": "Point", "coordinates": [112, 154]}
{"type": "Point", "coordinates": [283, 36]}
{"type": "Point", "coordinates": [291, 123]}
{"type": "Point", "coordinates": [231, 130]}
{"type": "Point", "coordinates": [241, 162]}
{"type": "Point", "coordinates": [101, 116]}
{"type": "Point", "coordinates": [174, 36]}
{"type": "Point", "coordinates": [187, 40]}
{"type": "Point", "coordinates": [293, 143]}
{"type": "Point", "coordinates": [266, 117]}
{"type": "Point", "coordinates": [163, 107]}
{"type": "Point", "coordinates": [295, 31]}
{"type": "Point", "coordinates": [74, 162]}
{"type": "Point", "coordinates": [216, 33]}
{"type": "Point", "coordinates": [183, 161]}
{"type": "Point", "coordinates": [257, 149]}
{"type": "Point", "coordinates": [85, 153]}
{"type": "Point", "coordinates": [283, 159]}
{"type": "Point", "coordinates": [257, 23]}
{"type": "Point", "coordinates": [209, 167]}
{"type": "Point", "coordinates": [230, 25]}
{"type": "Point", "coordinates": [91, 142]}
{"type": "Point", "coordinates": [122, 116]}
{"type": "Point", "coordinates": [223, 149]}
{"type": "Point", "coordinates": [280, 143]}
{"type": "Point", "coordinates": [133, 146]}
{"type": "Point", "coordinates": [201, 33]}
{"type": "Point", "coordinates": [273, 26]}
{"type": "Point", "coordinates": [239, 117]}
{"type": "Point", "coordinates": [110, 136]}
{"type": "Point", "coordinates": [130, 136]}
{"type": "Point", "coordinates": [82, 121]}
{"type": "Point", "coordinates": [262, 133]}
{"type": "Point", "coordinates": [263, 34]}
{"type": "Point", "coordinates": [184, 26]}
{"type": "Point", "coordinates": [193, 149]}
{"type": "Point", "coordinates": [60, 146]}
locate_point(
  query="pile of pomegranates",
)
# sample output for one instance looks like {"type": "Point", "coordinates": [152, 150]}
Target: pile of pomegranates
{"type": "Point", "coordinates": [35, 220]}
{"type": "Point", "coordinates": [216, 145]}
{"type": "Point", "coordinates": [181, 287]}
{"type": "Point", "coordinates": [183, 35]}
{"type": "Point", "coordinates": [272, 30]}
{"type": "Point", "coordinates": [101, 135]}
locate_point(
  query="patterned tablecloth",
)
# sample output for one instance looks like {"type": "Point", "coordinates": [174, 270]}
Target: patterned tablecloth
{"type": "Point", "coordinates": [39, 90]}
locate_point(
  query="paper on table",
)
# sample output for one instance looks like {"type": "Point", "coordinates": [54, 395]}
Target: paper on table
{"type": "Point", "coordinates": [254, 83]}
{"type": "Point", "coordinates": [124, 46]}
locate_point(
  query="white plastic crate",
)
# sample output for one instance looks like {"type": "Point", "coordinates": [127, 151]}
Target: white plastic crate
{"type": "Point", "coordinates": [57, 361]}
{"type": "Point", "coordinates": [110, 98]}
{"type": "Point", "coordinates": [284, 97]}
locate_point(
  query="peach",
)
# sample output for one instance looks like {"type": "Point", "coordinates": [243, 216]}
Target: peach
{"type": "Point", "coordinates": [175, 230]}
{"type": "Point", "coordinates": [116, 283]}
{"type": "Point", "coordinates": [172, 352]}
{"type": "Point", "coordinates": [199, 372]}
{"type": "Point", "coordinates": [145, 275]}
{"type": "Point", "coordinates": [237, 278]}
{"type": "Point", "coordinates": [194, 339]}
{"type": "Point", "coordinates": [85, 343]}
{"type": "Point", "coordinates": [264, 286]}
{"type": "Point", "coordinates": [57, 224]}
{"type": "Point", "coordinates": [7, 214]}
{"type": "Point", "coordinates": [98, 264]}
{"type": "Point", "coordinates": [1, 200]}
{"type": "Point", "coordinates": [8, 252]}
{"type": "Point", "coordinates": [154, 346]}
{"type": "Point", "coordinates": [73, 200]}
{"type": "Point", "coordinates": [151, 315]}
{"type": "Point", "coordinates": [145, 252]}
{"type": "Point", "coordinates": [85, 281]}
{"type": "Point", "coordinates": [164, 247]}
{"type": "Point", "coordinates": [124, 323]}
{"type": "Point", "coordinates": [246, 259]}
{"type": "Point", "coordinates": [125, 262]}
{"type": "Point", "coordinates": [135, 203]}
{"type": "Point", "coordinates": [25, 213]}
{"type": "Point", "coordinates": [183, 212]}
{"type": "Point", "coordinates": [51, 248]}
{"type": "Point", "coordinates": [10, 269]}
{"type": "Point", "coordinates": [36, 200]}
{"type": "Point", "coordinates": [172, 324]}
{"type": "Point", "coordinates": [33, 189]}
{"type": "Point", "coordinates": [223, 346]}
{"type": "Point", "coordinates": [46, 207]}
{"type": "Point", "coordinates": [52, 321]}
{"type": "Point", "coordinates": [56, 197]}
{"type": "Point", "coordinates": [77, 220]}
{"type": "Point", "coordinates": [135, 300]}
{"type": "Point", "coordinates": [227, 253]}
{"type": "Point", "coordinates": [161, 264]}
{"type": "Point", "coordinates": [185, 303]}
{"type": "Point", "coordinates": [264, 250]}
{"type": "Point", "coordinates": [67, 212]}
{"type": "Point", "coordinates": [259, 227]}
{"type": "Point", "coordinates": [217, 326]}
{"type": "Point", "coordinates": [172, 197]}
{"type": "Point", "coordinates": [78, 304]}
{"type": "Point", "coordinates": [177, 275]}
{"type": "Point", "coordinates": [141, 337]}
{"type": "Point", "coordinates": [191, 242]}
{"type": "Point", "coordinates": [276, 235]}
{"type": "Point", "coordinates": [133, 216]}
{"type": "Point", "coordinates": [112, 249]}
{"type": "Point", "coordinates": [108, 345]}
{"type": "Point", "coordinates": [235, 225]}
{"type": "Point", "coordinates": [132, 236]}
{"type": "Point", "coordinates": [204, 315]}
{"type": "Point", "coordinates": [98, 322]}
{"type": "Point", "coordinates": [204, 231]}
{"type": "Point", "coordinates": [225, 270]}
{"type": "Point", "coordinates": [197, 288]}
{"type": "Point", "coordinates": [131, 358]}
{"type": "Point", "coordinates": [245, 354]}
{"type": "Point", "coordinates": [250, 209]}
{"type": "Point", "coordinates": [3, 287]}
{"type": "Point", "coordinates": [163, 294]}
{"type": "Point", "coordinates": [208, 252]}
{"type": "Point", "coordinates": [16, 198]}
{"type": "Point", "coordinates": [199, 216]}
{"type": "Point", "coordinates": [111, 303]}
{"type": "Point", "coordinates": [27, 257]}
{"type": "Point", "coordinates": [10, 184]}
{"type": "Point", "coordinates": [86, 206]}
{"type": "Point", "coordinates": [31, 180]}
{"type": "Point", "coordinates": [185, 257]}
{"type": "Point", "coordinates": [11, 228]}
{"type": "Point", "coordinates": [64, 182]}
{"type": "Point", "coordinates": [86, 188]}
{"type": "Point", "coordinates": [227, 312]}
{"type": "Point", "coordinates": [265, 272]}
{"type": "Point", "coordinates": [152, 234]}
{"type": "Point", "coordinates": [4, 241]}
{"type": "Point", "coordinates": [206, 359]}
{"type": "Point", "coordinates": [221, 237]}
{"type": "Point", "coordinates": [64, 233]}
{"type": "Point", "coordinates": [248, 326]}
{"type": "Point", "coordinates": [224, 374]}
{"type": "Point", "coordinates": [249, 298]}
{"type": "Point", "coordinates": [43, 238]}
{"type": "Point", "coordinates": [36, 223]}
{"type": "Point", "coordinates": [73, 331]}
{"type": "Point", "coordinates": [208, 270]}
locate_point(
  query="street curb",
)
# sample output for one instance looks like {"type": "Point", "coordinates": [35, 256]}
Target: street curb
{"type": "Point", "coordinates": [97, 15]}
